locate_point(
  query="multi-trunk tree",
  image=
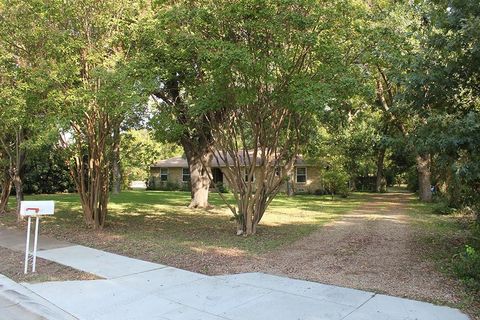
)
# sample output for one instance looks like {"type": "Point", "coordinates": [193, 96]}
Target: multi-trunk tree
{"type": "Point", "coordinates": [96, 92]}
{"type": "Point", "coordinates": [265, 69]}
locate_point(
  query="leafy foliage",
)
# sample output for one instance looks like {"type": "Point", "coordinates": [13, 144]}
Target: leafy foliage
{"type": "Point", "coordinates": [47, 172]}
{"type": "Point", "coordinates": [139, 151]}
{"type": "Point", "coordinates": [467, 267]}
{"type": "Point", "coordinates": [261, 71]}
{"type": "Point", "coordinates": [449, 71]}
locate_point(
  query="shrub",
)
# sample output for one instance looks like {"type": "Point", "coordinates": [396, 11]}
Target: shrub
{"type": "Point", "coordinates": [319, 192]}
{"type": "Point", "coordinates": [186, 186]}
{"type": "Point", "coordinates": [442, 207]}
{"type": "Point", "coordinates": [170, 186]}
{"type": "Point", "coordinates": [467, 267]}
{"type": "Point", "coordinates": [412, 179]}
{"type": "Point", "coordinates": [222, 188]}
{"type": "Point", "coordinates": [336, 182]}
{"type": "Point", "coordinates": [166, 186]}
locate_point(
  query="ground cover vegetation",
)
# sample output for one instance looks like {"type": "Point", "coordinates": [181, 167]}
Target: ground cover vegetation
{"type": "Point", "coordinates": [166, 230]}
{"type": "Point", "coordinates": [374, 93]}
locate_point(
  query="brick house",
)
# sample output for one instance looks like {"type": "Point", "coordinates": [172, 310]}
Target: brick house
{"type": "Point", "coordinates": [173, 173]}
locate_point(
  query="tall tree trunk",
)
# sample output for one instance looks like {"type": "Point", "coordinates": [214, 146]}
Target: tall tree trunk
{"type": "Point", "coordinates": [18, 183]}
{"type": "Point", "coordinates": [197, 146]}
{"type": "Point", "coordinates": [6, 188]}
{"type": "Point", "coordinates": [381, 185]}
{"type": "Point", "coordinates": [17, 170]}
{"type": "Point", "coordinates": [91, 169]}
{"type": "Point", "coordinates": [353, 184]}
{"type": "Point", "coordinates": [199, 164]}
{"type": "Point", "coordinates": [290, 185]}
{"type": "Point", "coordinates": [424, 177]}
{"type": "Point", "coordinates": [116, 170]}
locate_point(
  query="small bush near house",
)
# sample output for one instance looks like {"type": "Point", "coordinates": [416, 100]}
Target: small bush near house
{"type": "Point", "coordinates": [167, 186]}
{"type": "Point", "coordinates": [222, 188]}
{"type": "Point", "coordinates": [320, 192]}
{"type": "Point", "coordinates": [336, 182]}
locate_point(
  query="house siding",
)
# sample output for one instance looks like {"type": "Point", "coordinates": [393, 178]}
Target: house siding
{"type": "Point", "coordinates": [174, 177]}
{"type": "Point", "coordinates": [313, 183]}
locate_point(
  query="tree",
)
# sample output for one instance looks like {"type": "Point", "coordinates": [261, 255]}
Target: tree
{"type": "Point", "coordinates": [96, 91]}
{"type": "Point", "coordinates": [139, 150]}
{"type": "Point", "coordinates": [46, 169]}
{"type": "Point", "coordinates": [393, 44]}
{"type": "Point", "coordinates": [268, 68]}
{"type": "Point", "coordinates": [27, 50]}
{"type": "Point", "coordinates": [171, 70]}
{"type": "Point", "coordinates": [5, 183]}
{"type": "Point", "coordinates": [447, 73]}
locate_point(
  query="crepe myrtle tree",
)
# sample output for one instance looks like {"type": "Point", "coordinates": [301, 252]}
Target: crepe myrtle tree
{"type": "Point", "coordinates": [5, 183]}
{"type": "Point", "coordinates": [96, 93]}
{"type": "Point", "coordinates": [269, 69]}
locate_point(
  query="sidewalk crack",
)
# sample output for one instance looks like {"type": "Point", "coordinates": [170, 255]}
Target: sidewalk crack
{"type": "Point", "coordinates": [359, 306]}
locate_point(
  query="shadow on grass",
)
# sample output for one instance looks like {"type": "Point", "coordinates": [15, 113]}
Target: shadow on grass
{"type": "Point", "coordinates": [160, 221]}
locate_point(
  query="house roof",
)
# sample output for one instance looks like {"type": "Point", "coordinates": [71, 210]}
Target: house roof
{"type": "Point", "coordinates": [176, 162]}
{"type": "Point", "coordinates": [217, 162]}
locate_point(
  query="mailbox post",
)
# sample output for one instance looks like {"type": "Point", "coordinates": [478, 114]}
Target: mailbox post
{"type": "Point", "coordinates": [34, 209]}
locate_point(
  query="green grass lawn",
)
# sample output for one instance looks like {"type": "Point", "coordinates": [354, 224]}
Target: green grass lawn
{"type": "Point", "coordinates": [158, 223]}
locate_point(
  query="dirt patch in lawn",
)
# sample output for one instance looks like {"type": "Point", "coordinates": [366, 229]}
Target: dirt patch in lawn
{"type": "Point", "coordinates": [12, 264]}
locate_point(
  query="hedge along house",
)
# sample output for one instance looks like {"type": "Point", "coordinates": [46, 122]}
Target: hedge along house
{"type": "Point", "coordinates": [174, 174]}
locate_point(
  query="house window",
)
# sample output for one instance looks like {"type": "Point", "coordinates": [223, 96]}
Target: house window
{"type": "Point", "coordinates": [246, 175]}
{"type": "Point", "coordinates": [185, 175]}
{"type": "Point", "coordinates": [301, 175]}
{"type": "Point", "coordinates": [163, 174]}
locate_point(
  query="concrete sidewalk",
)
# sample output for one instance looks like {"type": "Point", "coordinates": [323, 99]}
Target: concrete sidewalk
{"type": "Point", "coordinates": [17, 302]}
{"type": "Point", "coordinates": [135, 289]}
{"type": "Point", "coordinates": [15, 239]}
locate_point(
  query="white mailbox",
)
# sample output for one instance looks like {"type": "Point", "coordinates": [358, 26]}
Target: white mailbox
{"type": "Point", "coordinates": [37, 208]}
{"type": "Point", "coordinates": [34, 209]}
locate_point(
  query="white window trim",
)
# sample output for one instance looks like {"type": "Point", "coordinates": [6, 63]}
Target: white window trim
{"type": "Point", "coordinates": [296, 175]}
{"type": "Point", "coordinates": [167, 174]}
{"type": "Point", "coordinates": [183, 175]}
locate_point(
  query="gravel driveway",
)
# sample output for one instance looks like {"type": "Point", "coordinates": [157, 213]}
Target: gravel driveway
{"type": "Point", "coordinates": [372, 248]}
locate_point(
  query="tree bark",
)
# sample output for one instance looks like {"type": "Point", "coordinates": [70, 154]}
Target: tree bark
{"type": "Point", "coordinates": [424, 177]}
{"type": "Point", "coordinates": [6, 188]}
{"type": "Point", "coordinates": [199, 165]}
{"type": "Point", "coordinates": [91, 169]}
{"type": "Point", "coordinates": [116, 170]}
{"type": "Point", "coordinates": [17, 171]}
{"type": "Point", "coordinates": [381, 185]}
{"type": "Point", "coordinates": [290, 185]}
{"type": "Point", "coordinates": [197, 146]}
{"type": "Point", "coordinates": [18, 183]}
{"type": "Point", "coordinates": [353, 184]}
